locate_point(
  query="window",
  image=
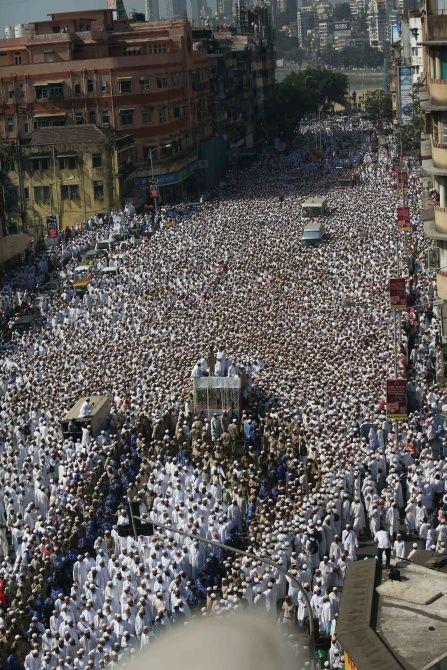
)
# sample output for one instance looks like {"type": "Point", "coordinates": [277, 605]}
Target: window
{"type": "Point", "coordinates": [77, 90]}
{"type": "Point", "coordinates": [105, 117]}
{"type": "Point", "coordinates": [26, 127]}
{"type": "Point", "coordinates": [145, 84]}
{"type": "Point", "coordinates": [79, 119]}
{"type": "Point", "coordinates": [96, 160]}
{"type": "Point", "coordinates": [47, 121]}
{"type": "Point", "coordinates": [70, 192]}
{"type": "Point", "coordinates": [146, 114]}
{"type": "Point", "coordinates": [11, 93]}
{"type": "Point", "coordinates": [17, 59]}
{"type": "Point", "coordinates": [90, 86]}
{"type": "Point", "coordinates": [41, 92]}
{"type": "Point", "coordinates": [133, 51]}
{"type": "Point", "coordinates": [162, 83]}
{"type": "Point", "coordinates": [98, 190]}
{"type": "Point", "coordinates": [103, 87]}
{"type": "Point", "coordinates": [126, 117]}
{"type": "Point", "coordinates": [125, 85]}
{"type": "Point", "coordinates": [178, 112]}
{"type": "Point", "coordinates": [49, 56]}
{"type": "Point", "coordinates": [11, 196]}
{"type": "Point", "coordinates": [26, 192]}
{"type": "Point", "coordinates": [92, 116]}
{"type": "Point", "coordinates": [40, 163]}
{"type": "Point", "coordinates": [67, 162]}
{"type": "Point", "coordinates": [162, 115]}
{"type": "Point", "coordinates": [160, 48]}
{"type": "Point", "coordinates": [56, 90]}
{"type": "Point", "coordinates": [42, 194]}
{"type": "Point", "coordinates": [9, 124]}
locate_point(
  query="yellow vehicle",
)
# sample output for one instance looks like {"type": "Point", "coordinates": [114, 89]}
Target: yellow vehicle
{"type": "Point", "coordinates": [82, 276]}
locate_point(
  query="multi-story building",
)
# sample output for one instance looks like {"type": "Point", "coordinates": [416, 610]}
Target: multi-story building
{"type": "Point", "coordinates": [381, 16]}
{"type": "Point", "coordinates": [62, 176]}
{"type": "Point", "coordinates": [342, 35]}
{"type": "Point", "coordinates": [306, 20]}
{"type": "Point", "coordinates": [433, 99]}
{"type": "Point", "coordinates": [151, 10]}
{"type": "Point", "coordinates": [225, 12]}
{"type": "Point", "coordinates": [242, 67]}
{"type": "Point", "coordinates": [143, 78]}
{"type": "Point", "coordinates": [176, 9]}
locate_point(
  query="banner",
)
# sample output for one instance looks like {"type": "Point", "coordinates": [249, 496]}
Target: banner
{"type": "Point", "coordinates": [403, 218]}
{"type": "Point", "coordinates": [398, 293]}
{"type": "Point", "coordinates": [405, 86]}
{"type": "Point", "coordinates": [349, 663]}
{"type": "Point", "coordinates": [396, 398]}
{"type": "Point", "coordinates": [52, 227]}
{"type": "Point", "coordinates": [402, 178]}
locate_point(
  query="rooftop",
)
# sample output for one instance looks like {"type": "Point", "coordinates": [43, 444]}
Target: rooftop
{"type": "Point", "coordinates": [397, 625]}
{"type": "Point", "coordinates": [84, 134]}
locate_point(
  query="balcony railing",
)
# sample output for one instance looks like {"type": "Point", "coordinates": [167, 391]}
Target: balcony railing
{"type": "Point", "coordinates": [50, 37]}
{"type": "Point", "coordinates": [436, 25]}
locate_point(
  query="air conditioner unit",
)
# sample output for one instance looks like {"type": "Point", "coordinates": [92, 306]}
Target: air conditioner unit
{"type": "Point", "coordinates": [105, 125]}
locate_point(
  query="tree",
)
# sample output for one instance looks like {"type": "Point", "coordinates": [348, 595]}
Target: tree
{"type": "Point", "coordinates": [299, 94]}
{"type": "Point", "coordinates": [378, 106]}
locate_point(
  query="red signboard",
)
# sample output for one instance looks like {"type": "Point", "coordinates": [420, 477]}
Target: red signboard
{"type": "Point", "coordinates": [396, 398]}
{"type": "Point", "coordinates": [52, 227]}
{"type": "Point", "coordinates": [398, 293]}
{"type": "Point", "coordinates": [403, 218]}
{"type": "Point", "coordinates": [155, 192]}
{"type": "Point", "coordinates": [402, 178]}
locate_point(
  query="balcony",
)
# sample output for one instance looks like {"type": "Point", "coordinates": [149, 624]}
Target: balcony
{"type": "Point", "coordinates": [426, 148]}
{"type": "Point", "coordinates": [439, 153]}
{"type": "Point", "coordinates": [438, 93]}
{"type": "Point", "coordinates": [441, 284]}
{"type": "Point", "coordinates": [436, 28]}
{"type": "Point", "coordinates": [441, 219]}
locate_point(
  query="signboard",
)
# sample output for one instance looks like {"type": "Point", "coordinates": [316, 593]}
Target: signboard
{"type": "Point", "coordinates": [398, 293]}
{"type": "Point", "coordinates": [52, 230]}
{"type": "Point", "coordinates": [405, 86]}
{"type": "Point", "coordinates": [402, 178]}
{"type": "Point", "coordinates": [341, 26]}
{"type": "Point", "coordinates": [349, 663]}
{"type": "Point", "coordinates": [396, 33]}
{"type": "Point", "coordinates": [396, 398]}
{"type": "Point", "coordinates": [155, 192]}
{"type": "Point", "coordinates": [403, 218]}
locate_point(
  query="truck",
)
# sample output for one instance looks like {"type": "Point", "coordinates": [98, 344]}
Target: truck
{"type": "Point", "coordinates": [314, 207]}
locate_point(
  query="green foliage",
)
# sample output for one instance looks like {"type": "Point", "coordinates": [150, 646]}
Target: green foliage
{"type": "Point", "coordinates": [302, 93]}
{"type": "Point", "coordinates": [378, 106]}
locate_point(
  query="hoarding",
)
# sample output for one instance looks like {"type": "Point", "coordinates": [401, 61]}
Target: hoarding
{"type": "Point", "coordinates": [405, 85]}
{"type": "Point", "coordinates": [403, 218]}
{"type": "Point", "coordinates": [396, 399]}
{"type": "Point", "coordinates": [398, 293]}
{"type": "Point", "coordinates": [342, 26]}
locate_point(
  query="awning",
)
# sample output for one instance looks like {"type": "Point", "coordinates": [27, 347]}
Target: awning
{"type": "Point", "coordinates": [46, 114]}
{"type": "Point", "coordinates": [47, 83]}
{"type": "Point", "coordinates": [123, 78]}
{"type": "Point", "coordinates": [35, 157]}
{"type": "Point", "coordinates": [67, 155]}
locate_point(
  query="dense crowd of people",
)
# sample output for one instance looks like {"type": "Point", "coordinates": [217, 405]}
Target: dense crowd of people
{"type": "Point", "coordinates": [308, 468]}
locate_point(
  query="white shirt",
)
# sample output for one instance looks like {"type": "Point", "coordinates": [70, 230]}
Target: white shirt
{"type": "Point", "coordinates": [383, 539]}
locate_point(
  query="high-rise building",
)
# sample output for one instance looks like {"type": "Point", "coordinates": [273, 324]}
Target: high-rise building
{"type": "Point", "coordinates": [306, 20]}
{"type": "Point", "coordinates": [382, 15]}
{"type": "Point", "coordinates": [176, 9]}
{"type": "Point", "coordinates": [152, 10]}
{"type": "Point", "coordinates": [136, 77]}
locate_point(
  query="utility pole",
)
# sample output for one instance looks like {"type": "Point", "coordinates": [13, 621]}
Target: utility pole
{"type": "Point", "coordinates": [240, 552]}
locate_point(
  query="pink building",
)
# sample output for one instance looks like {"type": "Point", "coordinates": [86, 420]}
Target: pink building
{"type": "Point", "coordinates": [135, 77]}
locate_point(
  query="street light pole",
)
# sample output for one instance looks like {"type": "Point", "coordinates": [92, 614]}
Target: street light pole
{"type": "Point", "coordinates": [153, 177]}
{"type": "Point", "coordinates": [240, 552]}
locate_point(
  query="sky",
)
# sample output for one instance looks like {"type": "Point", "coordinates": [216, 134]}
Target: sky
{"type": "Point", "coordinates": [27, 11]}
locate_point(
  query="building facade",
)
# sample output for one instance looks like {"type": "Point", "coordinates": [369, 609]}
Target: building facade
{"type": "Point", "coordinates": [135, 77]}
{"type": "Point", "coordinates": [433, 100]}
{"type": "Point", "coordinates": [64, 175]}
